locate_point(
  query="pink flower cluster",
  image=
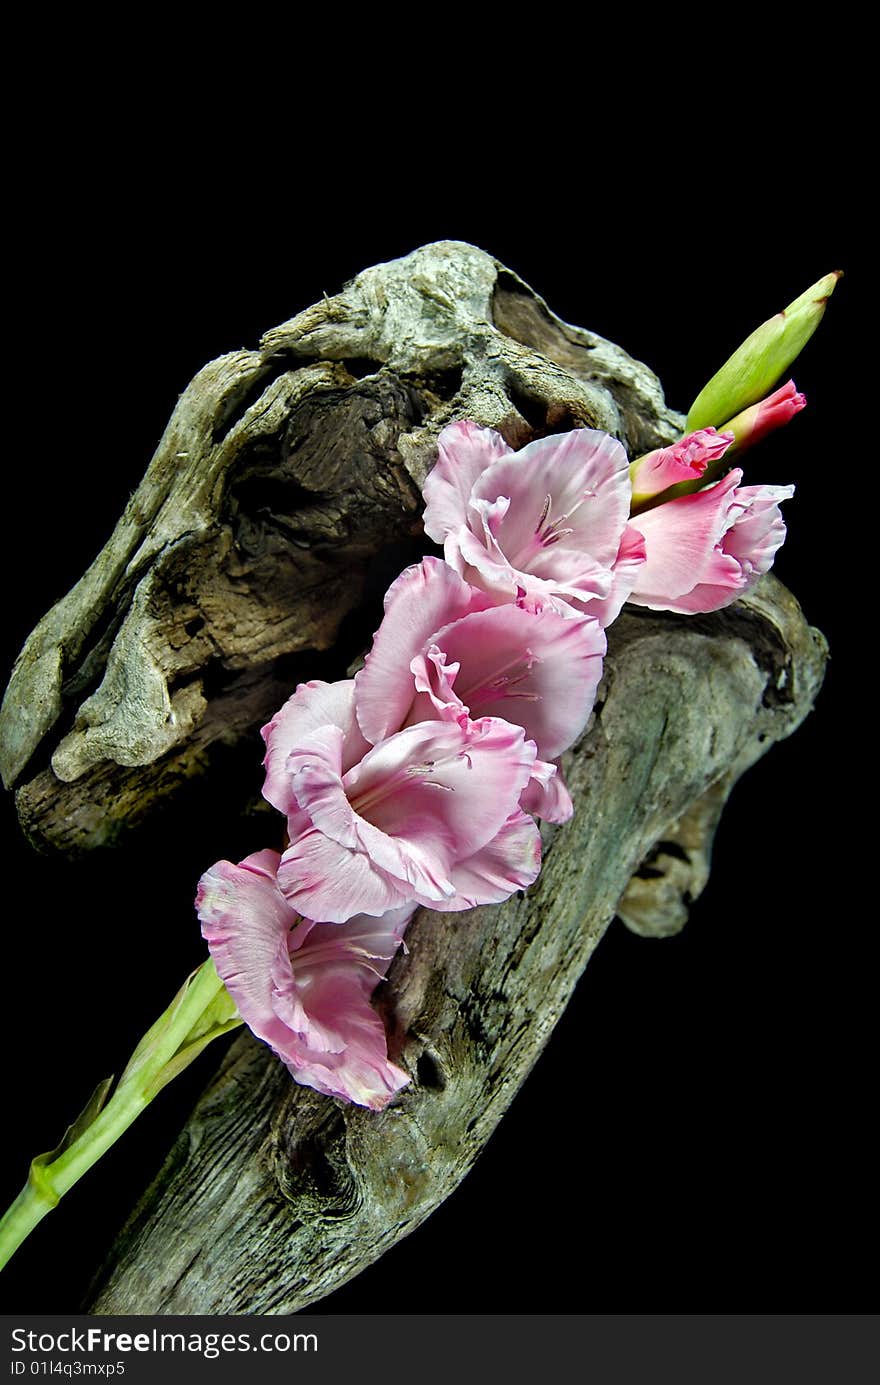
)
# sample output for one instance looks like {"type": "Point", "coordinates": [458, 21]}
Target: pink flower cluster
{"type": "Point", "coordinates": [417, 783]}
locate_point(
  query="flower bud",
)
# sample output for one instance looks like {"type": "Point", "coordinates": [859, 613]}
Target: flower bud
{"type": "Point", "coordinates": [759, 420]}
{"type": "Point", "coordinates": [684, 461]}
{"type": "Point", "coordinates": [764, 357]}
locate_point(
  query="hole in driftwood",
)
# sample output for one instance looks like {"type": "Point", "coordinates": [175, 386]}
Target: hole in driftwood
{"type": "Point", "coordinates": [429, 1072]}
{"type": "Point", "coordinates": [361, 366]}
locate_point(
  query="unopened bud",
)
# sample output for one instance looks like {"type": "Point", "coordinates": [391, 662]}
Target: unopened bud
{"type": "Point", "coordinates": [762, 360]}
{"type": "Point", "coordinates": [756, 422]}
{"type": "Point", "coordinates": [684, 461]}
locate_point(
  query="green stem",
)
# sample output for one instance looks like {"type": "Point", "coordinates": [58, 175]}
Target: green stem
{"type": "Point", "coordinates": [200, 1012]}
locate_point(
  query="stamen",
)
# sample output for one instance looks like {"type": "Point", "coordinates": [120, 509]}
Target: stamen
{"type": "Point", "coordinates": [544, 513]}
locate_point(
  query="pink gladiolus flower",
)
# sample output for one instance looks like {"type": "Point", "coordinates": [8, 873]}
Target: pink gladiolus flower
{"type": "Point", "coordinates": [776, 410]}
{"type": "Point", "coordinates": [685, 460]}
{"type": "Point", "coordinates": [707, 549]}
{"type": "Point", "coordinates": [550, 519]}
{"type": "Point", "coordinates": [304, 987]}
{"type": "Point", "coordinates": [524, 662]}
{"type": "Point", "coordinates": [428, 816]}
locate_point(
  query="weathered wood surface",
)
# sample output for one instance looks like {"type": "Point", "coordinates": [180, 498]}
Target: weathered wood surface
{"type": "Point", "coordinates": [282, 499]}
{"type": "Point", "coordinates": [284, 493]}
{"type": "Point", "coordinates": [273, 1196]}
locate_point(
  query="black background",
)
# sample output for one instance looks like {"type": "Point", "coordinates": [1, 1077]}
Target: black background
{"type": "Point", "coordinates": [695, 1133]}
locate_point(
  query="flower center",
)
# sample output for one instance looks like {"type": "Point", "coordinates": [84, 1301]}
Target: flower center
{"type": "Point", "coordinates": [494, 686]}
{"type": "Point", "coordinates": [422, 772]}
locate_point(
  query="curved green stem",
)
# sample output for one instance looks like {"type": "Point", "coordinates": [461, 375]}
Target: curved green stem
{"type": "Point", "coordinates": [199, 1013]}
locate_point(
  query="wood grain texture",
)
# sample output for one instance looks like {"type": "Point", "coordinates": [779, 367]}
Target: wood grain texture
{"type": "Point", "coordinates": [283, 497]}
{"type": "Point", "coordinates": [285, 489]}
{"type": "Point", "coordinates": [273, 1196]}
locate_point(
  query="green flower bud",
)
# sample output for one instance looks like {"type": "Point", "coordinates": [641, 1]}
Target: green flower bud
{"type": "Point", "coordinates": [762, 360]}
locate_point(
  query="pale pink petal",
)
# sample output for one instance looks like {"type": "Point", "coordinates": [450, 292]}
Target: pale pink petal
{"type": "Point", "coordinates": [510, 861]}
{"type": "Point", "coordinates": [304, 988]}
{"type": "Point", "coordinates": [313, 705]}
{"type": "Point", "coordinates": [625, 577]}
{"type": "Point", "coordinates": [584, 475]}
{"type": "Point", "coordinates": [422, 599]}
{"type": "Point", "coordinates": [448, 787]}
{"type": "Point", "coordinates": [309, 995]}
{"type": "Point", "coordinates": [464, 451]}
{"type": "Point", "coordinates": [243, 918]}
{"type": "Point", "coordinates": [759, 531]}
{"type": "Point", "coordinates": [392, 828]}
{"type": "Point", "coordinates": [536, 669]}
{"type": "Point", "coordinates": [547, 796]}
{"type": "Point", "coordinates": [435, 695]}
{"type": "Point", "coordinates": [752, 542]}
{"type": "Point", "coordinates": [682, 538]}
{"type": "Point", "coordinates": [572, 574]}
{"type": "Point", "coordinates": [326, 881]}
{"type": "Point", "coordinates": [745, 530]}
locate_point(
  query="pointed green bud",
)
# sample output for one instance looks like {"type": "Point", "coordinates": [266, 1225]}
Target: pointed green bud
{"type": "Point", "coordinates": [762, 360]}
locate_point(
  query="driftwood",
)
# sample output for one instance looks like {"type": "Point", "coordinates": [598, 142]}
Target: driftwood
{"type": "Point", "coordinates": [283, 495]}
{"type": "Point", "coordinates": [282, 499]}
{"type": "Point", "coordinates": [273, 1196]}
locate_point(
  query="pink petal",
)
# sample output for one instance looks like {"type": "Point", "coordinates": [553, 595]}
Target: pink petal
{"type": "Point", "coordinates": [536, 669]}
{"type": "Point", "coordinates": [324, 880]}
{"type": "Point", "coordinates": [759, 530]}
{"type": "Point", "coordinates": [243, 917]}
{"type": "Point", "coordinates": [682, 539]}
{"type": "Point", "coordinates": [313, 705]}
{"type": "Point", "coordinates": [585, 474]}
{"type": "Point", "coordinates": [304, 988]}
{"type": "Point", "coordinates": [510, 861]}
{"type": "Point", "coordinates": [547, 796]}
{"type": "Point", "coordinates": [392, 828]}
{"type": "Point", "coordinates": [625, 576]}
{"type": "Point", "coordinates": [464, 451]}
{"type": "Point", "coordinates": [685, 460]}
{"type": "Point", "coordinates": [752, 542]}
{"type": "Point", "coordinates": [447, 787]}
{"type": "Point", "coordinates": [736, 531]}
{"type": "Point", "coordinates": [422, 599]}
{"type": "Point", "coordinates": [388, 775]}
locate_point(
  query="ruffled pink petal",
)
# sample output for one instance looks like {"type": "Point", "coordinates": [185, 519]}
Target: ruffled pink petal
{"type": "Point", "coordinates": [685, 460]}
{"type": "Point", "coordinates": [464, 451]}
{"type": "Point", "coordinates": [624, 578]}
{"type": "Point", "coordinates": [759, 530]}
{"type": "Point", "coordinates": [682, 539]}
{"type": "Point", "coordinates": [569, 490]}
{"type": "Point", "coordinates": [510, 861]}
{"type": "Point", "coordinates": [243, 918]}
{"type": "Point", "coordinates": [435, 695]}
{"type": "Point", "coordinates": [313, 705]}
{"type": "Point", "coordinates": [756, 534]}
{"type": "Point", "coordinates": [447, 787]}
{"type": "Point", "coordinates": [314, 772]}
{"type": "Point", "coordinates": [391, 829]}
{"type": "Point", "coordinates": [536, 669]}
{"type": "Point", "coordinates": [328, 959]}
{"type": "Point", "coordinates": [546, 795]}
{"type": "Point", "coordinates": [572, 574]}
{"type": "Point", "coordinates": [304, 988]}
{"type": "Point", "coordinates": [422, 599]}
{"type": "Point", "coordinates": [326, 881]}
